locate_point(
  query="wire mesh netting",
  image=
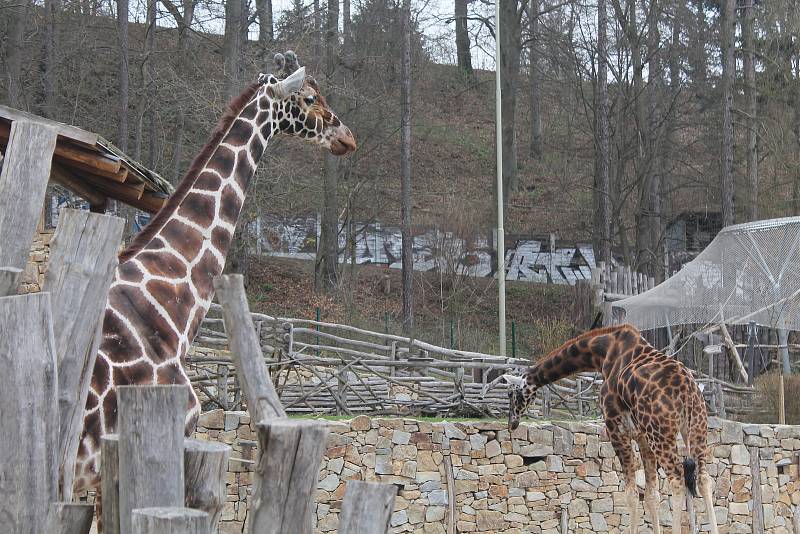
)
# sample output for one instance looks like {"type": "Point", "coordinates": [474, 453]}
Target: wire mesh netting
{"type": "Point", "coordinates": [749, 272]}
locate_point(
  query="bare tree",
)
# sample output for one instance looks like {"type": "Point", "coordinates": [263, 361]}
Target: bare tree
{"type": "Point", "coordinates": [463, 52]}
{"type": "Point", "coordinates": [123, 76]}
{"type": "Point", "coordinates": [602, 189]}
{"type": "Point", "coordinates": [535, 74]}
{"type": "Point", "coordinates": [266, 29]}
{"type": "Point", "coordinates": [150, 83]}
{"type": "Point", "coordinates": [15, 47]}
{"type": "Point", "coordinates": [750, 90]}
{"type": "Point", "coordinates": [510, 51]}
{"type": "Point", "coordinates": [327, 265]}
{"type": "Point", "coordinates": [51, 9]}
{"type": "Point", "coordinates": [728, 73]}
{"type": "Point", "coordinates": [405, 171]}
{"type": "Point", "coordinates": [232, 47]}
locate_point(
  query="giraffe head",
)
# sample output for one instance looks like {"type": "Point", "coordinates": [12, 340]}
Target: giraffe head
{"type": "Point", "coordinates": [521, 392]}
{"type": "Point", "coordinates": [300, 109]}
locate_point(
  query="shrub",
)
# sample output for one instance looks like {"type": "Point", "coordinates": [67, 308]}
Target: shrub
{"type": "Point", "coordinates": [768, 388]}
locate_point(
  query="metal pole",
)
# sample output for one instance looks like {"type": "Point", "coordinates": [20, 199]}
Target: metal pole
{"type": "Point", "coordinates": [501, 247]}
{"type": "Point", "coordinates": [513, 339]}
{"type": "Point", "coordinates": [751, 353]}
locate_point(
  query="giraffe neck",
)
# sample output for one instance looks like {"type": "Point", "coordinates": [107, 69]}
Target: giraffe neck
{"type": "Point", "coordinates": [192, 234]}
{"type": "Point", "coordinates": [587, 352]}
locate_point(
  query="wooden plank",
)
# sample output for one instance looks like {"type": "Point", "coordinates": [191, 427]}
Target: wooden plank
{"type": "Point", "coordinates": [28, 443]}
{"type": "Point", "coordinates": [131, 191]}
{"type": "Point", "coordinates": [452, 516]}
{"type": "Point", "coordinates": [109, 483]}
{"type": "Point", "coordinates": [23, 181]}
{"type": "Point", "coordinates": [64, 130]}
{"type": "Point", "coordinates": [289, 455]}
{"type": "Point", "coordinates": [205, 465]}
{"type": "Point", "coordinates": [151, 425]}
{"type": "Point", "coordinates": [64, 176]}
{"type": "Point", "coordinates": [83, 256]}
{"type": "Point", "coordinates": [755, 490]}
{"type": "Point", "coordinates": [164, 520]}
{"type": "Point", "coordinates": [69, 518]}
{"type": "Point", "coordinates": [262, 400]}
{"type": "Point", "coordinates": [367, 507]}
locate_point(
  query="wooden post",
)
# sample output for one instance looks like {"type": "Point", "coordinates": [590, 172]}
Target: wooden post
{"type": "Point", "coordinates": [564, 519]}
{"type": "Point", "coordinates": [452, 516]}
{"type": "Point", "coordinates": [171, 520]}
{"type": "Point", "coordinates": [367, 507]}
{"type": "Point", "coordinates": [205, 464]}
{"type": "Point", "coordinates": [546, 402]}
{"type": "Point", "coordinates": [289, 455]}
{"type": "Point", "coordinates": [151, 425]}
{"type": "Point", "coordinates": [29, 441]}
{"type": "Point", "coordinates": [262, 400]}
{"type": "Point", "coordinates": [69, 518]}
{"type": "Point", "coordinates": [222, 385]}
{"type": "Point", "coordinates": [579, 388]}
{"type": "Point", "coordinates": [23, 180]}
{"type": "Point", "coordinates": [109, 483]}
{"type": "Point", "coordinates": [83, 255]}
{"type": "Point", "coordinates": [755, 491]}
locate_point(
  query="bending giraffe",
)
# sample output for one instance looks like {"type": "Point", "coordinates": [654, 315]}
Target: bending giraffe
{"type": "Point", "coordinates": [646, 397]}
{"type": "Point", "coordinates": [162, 288]}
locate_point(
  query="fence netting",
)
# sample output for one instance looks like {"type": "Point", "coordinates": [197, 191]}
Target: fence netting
{"type": "Point", "coordinates": [749, 272]}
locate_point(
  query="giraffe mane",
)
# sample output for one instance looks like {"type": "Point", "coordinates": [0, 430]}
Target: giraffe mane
{"type": "Point", "coordinates": [590, 333]}
{"type": "Point", "coordinates": [233, 109]}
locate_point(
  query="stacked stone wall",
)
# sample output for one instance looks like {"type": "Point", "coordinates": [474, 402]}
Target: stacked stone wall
{"type": "Point", "coordinates": [526, 482]}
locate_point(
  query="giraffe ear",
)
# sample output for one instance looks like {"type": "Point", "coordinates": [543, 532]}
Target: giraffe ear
{"type": "Point", "coordinates": [517, 381]}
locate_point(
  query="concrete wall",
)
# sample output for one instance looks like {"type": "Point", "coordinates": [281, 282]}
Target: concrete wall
{"type": "Point", "coordinates": [517, 484]}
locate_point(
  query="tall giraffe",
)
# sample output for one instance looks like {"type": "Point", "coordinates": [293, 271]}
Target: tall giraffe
{"type": "Point", "coordinates": [162, 288]}
{"type": "Point", "coordinates": [646, 397]}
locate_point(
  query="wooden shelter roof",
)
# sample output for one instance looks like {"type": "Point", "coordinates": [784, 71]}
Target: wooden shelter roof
{"type": "Point", "coordinates": [93, 168]}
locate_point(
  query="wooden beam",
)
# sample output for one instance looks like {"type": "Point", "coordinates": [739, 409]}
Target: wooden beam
{"type": "Point", "coordinates": [64, 130]}
{"type": "Point", "coordinates": [367, 507]}
{"type": "Point", "coordinates": [28, 442]}
{"type": "Point", "coordinates": [149, 203]}
{"type": "Point", "coordinates": [63, 176]}
{"type": "Point", "coordinates": [205, 464]}
{"type": "Point", "coordinates": [172, 520]}
{"type": "Point", "coordinates": [69, 518]}
{"type": "Point", "coordinates": [83, 255]}
{"type": "Point", "coordinates": [109, 483]}
{"type": "Point", "coordinates": [289, 456]}
{"type": "Point", "coordinates": [263, 402]}
{"type": "Point", "coordinates": [124, 192]}
{"type": "Point", "coordinates": [151, 425]}
{"type": "Point", "coordinates": [23, 181]}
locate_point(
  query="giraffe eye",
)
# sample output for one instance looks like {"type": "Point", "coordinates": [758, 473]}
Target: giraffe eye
{"type": "Point", "coordinates": [310, 100]}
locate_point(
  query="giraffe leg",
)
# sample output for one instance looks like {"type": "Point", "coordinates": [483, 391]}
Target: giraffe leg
{"type": "Point", "coordinates": [677, 499]}
{"type": "Point", "coordinates": [652, 497]}
{"type": "Point", "coordinates": [707, 491]}
{"type": "Point", "coordinates": [624, 451]}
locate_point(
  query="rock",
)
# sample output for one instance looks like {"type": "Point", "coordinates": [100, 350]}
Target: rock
{"type": "Point", "coordinates": [463, 474]}
{"type": "Point", "coordinates": [492, 449]}
{"type": "Point", "coordinates": [536, 449]}
{"type": "Point", "coordinates": [437, 497]}
{"type": "Point", "coordinates": [453, 432]}
{"type": "Point", "coordinates": [336, 465]}
{"type": "Point", "coordinates": [399, 518]}
{"type": "Point", "coordinates": [601, 506]}
{"type": "Point", "coordinates": [361, 423]}
{"type": "Point", "coordinates": [513, 460]}
{"type": "Point", "coordinates": [400, 437]}
{"type": "Point", "coordinates": [580, 485]}
{"type": "Point", "coordinates": [740, 455]}
{"type": "Point", "coordinates": [213, 420]}
{"type": "Point", "coordinates": [329, 483]}
{"type": "Point", "coordinates": [598, 522]}
{"type": "Point", "coordinates": [435, 513]}
{"type": "Point", "coordinates": [528, 479]}
{"type": "Point", "coordinates": [732, 432]}
{"type": "Point", "coordinates": [477, 441]}
{"type": "Point", "coordinates": [490, 520]}
{"type": "Point", "coordinates": [554, 464]}
{"type": "Point", "coordinates": [578, 507]}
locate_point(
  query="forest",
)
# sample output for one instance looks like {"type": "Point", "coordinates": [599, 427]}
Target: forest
{"type": "Point", "coordinates": [619, 117]}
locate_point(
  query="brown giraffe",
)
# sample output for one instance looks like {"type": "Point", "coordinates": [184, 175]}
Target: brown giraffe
{"type": "Point", "coordinates": [162, 288]}
{"type": "Point", "coordinates": [646, 397]}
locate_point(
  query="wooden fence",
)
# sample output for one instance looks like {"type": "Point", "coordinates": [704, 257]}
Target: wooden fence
{"type": "Point", "coordinates": [153, 480]}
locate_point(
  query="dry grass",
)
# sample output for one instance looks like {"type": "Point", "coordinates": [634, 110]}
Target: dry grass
{"type": "Point", "coordinates": [768, 387]}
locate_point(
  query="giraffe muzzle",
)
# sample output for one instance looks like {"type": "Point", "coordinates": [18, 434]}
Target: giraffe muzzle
{"type": "Point", "coordinates": [344, 142]}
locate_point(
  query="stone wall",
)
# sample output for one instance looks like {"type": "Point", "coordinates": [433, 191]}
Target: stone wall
{"type": "Point", "coordinates": [523, 483]}
{"type": "Point", "coordinates": [31, 279]}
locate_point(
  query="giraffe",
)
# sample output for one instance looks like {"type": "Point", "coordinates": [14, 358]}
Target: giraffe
{"type": "Point", "coordinates": [162, 288]}
{"type": "Point", "coordinates": [646, 397]}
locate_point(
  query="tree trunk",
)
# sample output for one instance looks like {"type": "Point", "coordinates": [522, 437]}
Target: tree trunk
{"type": "Point", "coordinates": [602, 189]}
{"type": "Point", "coordinates": [50, 10]}
{"type": "Point", "coordinates": [463, 52]}
{"type": "Point", "coordinates": [728, 73]}
{"type": "Point", "coordinates": [231, 47]}
{"type": "Point", "coordinates": [748, 43]}
{"type": "Point", "coordinates": [405, 173]}
{"type": "Point", "coordinates": [327, 265]}
{"type": "Point", "coordinates": [150, 83]}
{"type": "Point", "coordinates": [184, 34]}
{"type": "Point", "coordinates": [17, 18]}
{"type": "Point", "coordinates": [509, 72]}
{"type": "Point", "coordinates": [123, 75]}
{"type": "Point", "coordinates": [266, 31]}
{"type": "Point", "coordinates": [534, 73]}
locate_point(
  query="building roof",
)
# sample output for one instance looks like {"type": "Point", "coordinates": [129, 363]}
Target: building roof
{"type": "Point", "coordinates": [93, 168]}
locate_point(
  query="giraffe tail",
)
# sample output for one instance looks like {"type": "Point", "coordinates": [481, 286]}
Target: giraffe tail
{"type": "Point", "coordinates": [690, 475]}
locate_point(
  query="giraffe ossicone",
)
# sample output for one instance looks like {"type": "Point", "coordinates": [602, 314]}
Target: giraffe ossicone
{"type": "Point", "coordinates": [162, 288]}
{"type": "Point", "coordinates": [647, 397]}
